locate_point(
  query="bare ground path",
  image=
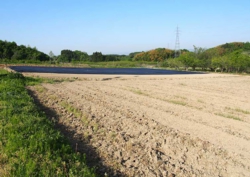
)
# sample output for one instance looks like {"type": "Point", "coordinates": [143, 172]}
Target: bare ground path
{"type": "Point", "coordinates": [196, 125]}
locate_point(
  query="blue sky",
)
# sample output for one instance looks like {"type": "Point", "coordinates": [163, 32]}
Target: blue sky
{"type": "Point", "coordinates": [123, 26]}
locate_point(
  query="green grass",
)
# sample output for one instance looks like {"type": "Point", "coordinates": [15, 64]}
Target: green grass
{"type": "Point", "coordinates": [228, 116]}
{"type": "Point", "coordinates": [71, 109]}
{"type": "Point", "coordinates": [3, 72]}
{"type": "Point", "coordinates": [182, 103]}
{"type": "Point", "coordinates": [38, 80]}
{"type": "Point", "coordinates": [177, 102]}
{"type": "Point", "coordinates": [29, 144]}
{"type": "Point", "coordinates": [239, 110]}
{"type": "Point", "coordinates": [31, 81]}
{"type": "Point", "coordinates": [242, 111]}
{"type": "Point", "coordinates": [78, 113]}
{"type": "Point", "coordinates": [138, 92]}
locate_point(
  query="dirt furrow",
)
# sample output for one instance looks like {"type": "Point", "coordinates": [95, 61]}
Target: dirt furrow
{"type": "Point", "coordinates": [120, 115]}
{"type": "Point", "coordinates": [196, 116]}
{"type": "Point", "coordinates": [140, 126]}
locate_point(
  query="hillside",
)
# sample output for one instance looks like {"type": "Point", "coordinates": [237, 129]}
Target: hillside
{"type": "Point", "coordinates": [228, 48]}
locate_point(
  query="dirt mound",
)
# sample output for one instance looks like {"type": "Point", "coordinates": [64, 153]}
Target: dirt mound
{"type": "Point", "coordinates": [158, 126]}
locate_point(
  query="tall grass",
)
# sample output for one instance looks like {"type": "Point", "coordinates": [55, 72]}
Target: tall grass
{"type": "Point", "coordinates": [29, 145]}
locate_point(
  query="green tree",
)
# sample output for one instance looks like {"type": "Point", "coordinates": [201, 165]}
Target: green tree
{"type": "Point", "coordinates": [97, 56]}
{"type": "Point", "coordinates": [19, 55]}
{"type": "Point", "coordinates": [189, 59]}
{"type": "Point", "coordinates": [221, 62]}
{"type": "Point", "coordinates": [174, 63]}
{"type": "Point", "coordinates": [80, 56]}
{"type": "Point", "coordinates": [239, 61]}
{"type": "Point", "coordinates": [110, 58]}
{"type": "Point", "coordinates": [66, 55]}
{"type": "Point", "coordinates": [203, 57]}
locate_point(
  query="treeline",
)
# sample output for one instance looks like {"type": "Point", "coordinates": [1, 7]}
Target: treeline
{"type": "Point", "coordinates": [229, 57]}
{"type": "Point", "coordinates": [79, 56]}
{"type": "Point", "coordinates": [237, 61]}
{"type": "Point", "coordinates": [10, 51]}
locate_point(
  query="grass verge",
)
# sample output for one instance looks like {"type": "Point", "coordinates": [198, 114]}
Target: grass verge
{"type": "Point", "coordinates": [29, 144]}
{"type": "Point", "coordinates": [31, 81]}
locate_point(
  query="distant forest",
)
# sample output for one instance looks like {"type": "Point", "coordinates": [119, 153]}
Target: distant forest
{"type": "Point", "coordinates": [229, 57]}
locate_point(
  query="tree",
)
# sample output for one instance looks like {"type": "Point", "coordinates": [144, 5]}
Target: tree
{"type": "Point", "coordinates": [239, 61]}
{"type": "Point", "coordinates": [174, 63]}
{"type": "Point", "coordinates": [132, 55]}
{"type": "Point", "coordinates": [7, 49]}
{"type": "Point", "coordinates": [97, 56]}
{"type": "Point", "coordinates": [19, 55]}
{"type": "Point", "coordinates": [143, 56]}
{"type": "Point", "coordinates": [159, 54]}
{"type": "Point", "coordinates": [221, 62]}
{"type": "Point", "coordinates": [189, 59]}
{"type": "Point", "coordinates": [110, 58]}
{"type": "Point", "coordinates": [203, 57]}
{"type": "Point", "coordinates": [66, 55]}
{"type": "Point", "coordinates": [246, 46]}
{"type": "Point", "coordinates": [80, 56]}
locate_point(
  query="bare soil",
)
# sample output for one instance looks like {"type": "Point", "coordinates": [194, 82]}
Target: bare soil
{"type": "Point", "coordinates": [186, 125]}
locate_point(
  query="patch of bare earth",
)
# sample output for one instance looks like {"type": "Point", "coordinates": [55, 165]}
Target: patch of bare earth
{"type": "Point", "coordinates": [195, 125]}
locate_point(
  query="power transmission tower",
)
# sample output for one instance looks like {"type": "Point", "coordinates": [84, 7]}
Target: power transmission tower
{"type": "Point", "coordinates": [177, 51]}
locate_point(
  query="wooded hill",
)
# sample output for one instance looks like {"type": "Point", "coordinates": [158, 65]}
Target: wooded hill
{"type": "Point", "coordinates": [229, 57]}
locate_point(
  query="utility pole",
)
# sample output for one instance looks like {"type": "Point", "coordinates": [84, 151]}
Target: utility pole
{"type": "Point", "coordinates": [177, 51]}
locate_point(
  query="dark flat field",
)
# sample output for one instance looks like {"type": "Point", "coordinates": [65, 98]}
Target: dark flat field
{"type": "Point", "coordinates": [116, 71]}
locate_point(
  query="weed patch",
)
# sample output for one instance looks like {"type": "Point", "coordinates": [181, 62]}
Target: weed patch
{"type": "Point", "coordinates": [228, 116]}
{"type": "Point", "coordinates": [182, 103]}
{"type": "Point", "coordinates": [239, 110]}
{"type": "Point", "coordinates": [139, 92]}
{"type": "Point", "coordinates": [30, 146]}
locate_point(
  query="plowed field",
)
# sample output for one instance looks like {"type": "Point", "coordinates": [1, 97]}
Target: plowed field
{"type": "Point", "coordinates": [195, 125]}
